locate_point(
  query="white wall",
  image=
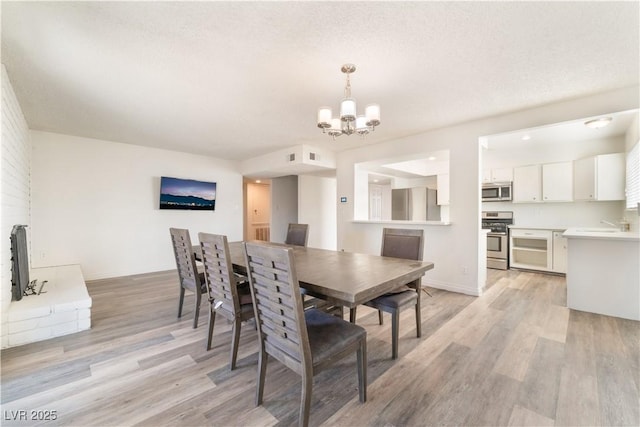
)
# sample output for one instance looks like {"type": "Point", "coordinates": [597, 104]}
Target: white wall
{"type": "Point", "coordinates": [14, 188]}
{"type": "Point", "coordinates": [456, 249]}
{"type": "Point", "coordinates": [317, 207]}
{"type": "Point", "coordinates": [95, 203]}
{"type": "Point", "coordinates": [284, 206]}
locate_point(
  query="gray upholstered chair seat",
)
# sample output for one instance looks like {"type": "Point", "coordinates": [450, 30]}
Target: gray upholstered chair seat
{"type": "Point", "coordinates": [329, 335]}
{"type": "Point", "coordinates": [244, 293]}
{"type": "Point", "coordinates": [396, 300]}
{"type": "Point", "coordinates": [203, 282]}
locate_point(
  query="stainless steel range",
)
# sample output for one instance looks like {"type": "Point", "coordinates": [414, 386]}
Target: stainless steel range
{"type": "Point", "coordinates": [498, 238]}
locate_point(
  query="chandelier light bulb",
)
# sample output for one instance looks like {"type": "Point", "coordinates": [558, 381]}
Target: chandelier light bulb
{"type": "Point", "coordinates": [361, 126]}
{"type": "Point", "coordinates": [372, 112]}
{"type": "Point", "coordinates": [336, 128]}
{"type": "Point", "coordinates": [324, 117]}
{"type": "Point", "coordinates": [348, 110]}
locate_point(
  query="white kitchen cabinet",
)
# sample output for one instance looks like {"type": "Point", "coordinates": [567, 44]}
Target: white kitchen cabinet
{"type": "Point", "coordinates": [559, 252]}
{"type": "Point", "coordinates": [599, 177]}
{"type": "Point", "coordinates": [502, 175]}
{"type": "Point", "coordinates": [486, 175]}
{"type": "Point", "coordinates": [527, 184]}
{"type": "Point", "coordinates": [557, 182]}
{"type": "Point", "coordinates": [531, 249]}
{"type": "Point", "coordinates": [443, 189]}
{"type": "Point", "coordinates": [497, 175]}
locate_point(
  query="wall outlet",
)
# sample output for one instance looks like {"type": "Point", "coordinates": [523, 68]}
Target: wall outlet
{"type": "Point", "coordinates": [464, 270]}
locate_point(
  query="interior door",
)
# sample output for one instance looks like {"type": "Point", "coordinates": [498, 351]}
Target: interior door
{"type": "Point", "coordinates": [258, 212]}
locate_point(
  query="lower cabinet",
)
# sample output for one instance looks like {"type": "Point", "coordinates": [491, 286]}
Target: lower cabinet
{"type": "Point", "coordinates": [559, 252]}
{"type": "Point", "coordinates": [535, 249]}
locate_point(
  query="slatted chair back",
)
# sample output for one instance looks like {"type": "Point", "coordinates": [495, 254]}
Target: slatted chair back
{"type": "Point", "coordinates": [185, 259]}
{"type": "Point", "coordinates": [218, 270]}
{"type": "Point", "coordinates": [278, 305]}
{"type": "Point", "coordinates": [187, 271]}
{"type": "Point", "coordinates": [297, 234]}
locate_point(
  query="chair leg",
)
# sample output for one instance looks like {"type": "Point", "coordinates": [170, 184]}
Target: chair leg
{"type": "Point", "coordinates": [197, 310]}
{"type": "Point", "coordinates": [395, 325]}
{"type": "Point", "coordinates": [305, 404]}
{"type": "Point", "coordinates": [352, 315]}
{"type": "Point", "coordinates": [180, 302]}
{"type": "Point", "coordinates": [212, 321]}
{"type": "Point", "coordinates": [262, 370]}
{"type": "Point", "coordinates": [380, 318]}
{"type": "Point", "coordinates": [418, 317]}
{"type": "Point", "coordinates": [237, 325]}
{"type": "Point", "coordinates": [362, 370]}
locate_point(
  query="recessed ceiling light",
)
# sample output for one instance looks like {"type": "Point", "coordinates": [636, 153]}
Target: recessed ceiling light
{"type": "Point", "coordinates": [258, 181]}
{"type": "Point", "coordinates": [526, 137]}
{"type": "Point", "coordinates": [375, 180]}
{"type": "Point", "coordinates": [432, 158]}
{"type": "Point", "coordinates": [598, 123]}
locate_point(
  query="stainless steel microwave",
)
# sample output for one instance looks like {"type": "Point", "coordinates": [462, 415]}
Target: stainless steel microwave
{"type": "Point", "coordinates": [496, 192]}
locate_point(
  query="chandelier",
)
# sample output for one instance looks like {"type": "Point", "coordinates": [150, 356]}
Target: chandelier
{"type": "Point", "coordinates": [348, 122]}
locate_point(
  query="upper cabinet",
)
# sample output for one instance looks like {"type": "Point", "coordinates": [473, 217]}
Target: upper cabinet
{"type": "Point", "coordinates": [600, 177]}
{"type": "Point", "coordinates": [497, 175]}
{"type": "Point", "coordinates": [557, 182]}
{"type": "Point", "coordinates": [527, 184]}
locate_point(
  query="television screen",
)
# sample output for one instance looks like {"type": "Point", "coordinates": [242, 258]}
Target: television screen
{"type": "Point", "coordinates": [187, 194]}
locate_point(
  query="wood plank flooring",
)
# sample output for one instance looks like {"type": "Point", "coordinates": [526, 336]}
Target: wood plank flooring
{"type": "Point", "coordinates": [515, 356]}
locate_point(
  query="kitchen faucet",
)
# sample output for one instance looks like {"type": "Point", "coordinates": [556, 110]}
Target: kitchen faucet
{"type": "Point", "coordinates": [608, 223]}
{"type": "Point", "coordinates": [622, 226]}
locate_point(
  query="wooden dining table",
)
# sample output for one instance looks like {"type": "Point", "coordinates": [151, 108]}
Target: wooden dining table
{"type": "Point", "coordinates": [342, 278]}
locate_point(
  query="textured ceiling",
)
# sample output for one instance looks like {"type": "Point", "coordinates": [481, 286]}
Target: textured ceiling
{"type": "Point", "coordinates": [241, 79]}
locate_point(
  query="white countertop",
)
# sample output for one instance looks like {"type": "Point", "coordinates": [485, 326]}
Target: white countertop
{"type": "Point", "coordinates": [601, 233]}
{"type": "Point", "coordinates": [536, 227]}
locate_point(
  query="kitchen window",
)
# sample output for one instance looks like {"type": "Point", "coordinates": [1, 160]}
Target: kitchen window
{"type": "Point", "coordinates": [633, 177]}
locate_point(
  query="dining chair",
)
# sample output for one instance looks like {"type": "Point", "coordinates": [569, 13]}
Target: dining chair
{"type": "Point", "coordinates": [188, 274]}
{"type": "Point", "coordinates": [304, 341]}
{"type": "Point", "coordinates": [227, 296]}
{"type": "Point", "coordinates": [406, 244]}
{"type": "Point", "coordinates": [297, 234]}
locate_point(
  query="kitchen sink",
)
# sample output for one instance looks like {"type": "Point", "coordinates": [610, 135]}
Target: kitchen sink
{"type": "Point", "coordinates": [597, 230]}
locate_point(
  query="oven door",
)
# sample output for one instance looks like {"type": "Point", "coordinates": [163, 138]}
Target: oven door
{"type": "Point", "coordinates": [497, 246]}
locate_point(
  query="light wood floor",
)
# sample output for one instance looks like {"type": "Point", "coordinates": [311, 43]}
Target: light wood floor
{"type": "Point", "coordinates": [515, 356]}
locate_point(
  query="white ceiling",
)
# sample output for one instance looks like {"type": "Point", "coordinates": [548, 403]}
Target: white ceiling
{"type": "Point", "coordinates": [241, 79]}
{"type": "Point", "coordinates": [561, 133]}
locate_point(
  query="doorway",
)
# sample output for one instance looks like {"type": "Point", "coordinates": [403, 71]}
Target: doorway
{"type": "Point", "coordinates": [258, 213]}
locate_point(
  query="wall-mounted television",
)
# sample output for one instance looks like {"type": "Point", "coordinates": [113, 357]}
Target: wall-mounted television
{"type": "Point", "coordinates": [187, 194]}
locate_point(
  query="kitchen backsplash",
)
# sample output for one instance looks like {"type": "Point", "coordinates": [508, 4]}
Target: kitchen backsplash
{"type": "Point", "coordinates": [558, 215]}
